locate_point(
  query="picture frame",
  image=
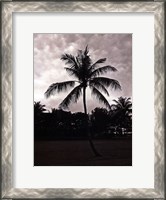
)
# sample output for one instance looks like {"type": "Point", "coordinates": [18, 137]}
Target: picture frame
{"type": "Point", "coordinates": [7, 9]}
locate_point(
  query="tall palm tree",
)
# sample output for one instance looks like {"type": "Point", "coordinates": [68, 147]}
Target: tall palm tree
{"type": "Point", "coordinates": [87, 74]}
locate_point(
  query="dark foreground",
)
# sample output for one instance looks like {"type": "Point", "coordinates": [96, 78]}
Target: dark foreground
{"type": "Point", "coordinates": [115, 152]}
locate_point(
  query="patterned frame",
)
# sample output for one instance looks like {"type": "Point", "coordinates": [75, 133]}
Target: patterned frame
{"type": "Point", "coordinates": [7, 8]}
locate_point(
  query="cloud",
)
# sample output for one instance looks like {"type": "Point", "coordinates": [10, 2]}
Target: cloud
{"type": "Point", "coordinates": [48, 68]}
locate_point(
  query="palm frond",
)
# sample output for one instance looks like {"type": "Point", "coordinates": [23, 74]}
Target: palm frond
{"type": "Point", "coordinates": [58, 87]}
{"type": "Point", "coordinates": [73, 96]}
{"type": "Point", "coordinates": [107, 82]}
{"type": "Point", "coordinates": [100, 61]}
{"type": "Point", "coordinates": [103, 70]}
{"type": "Point", "coordinates": [86, 61]}
{"type": "Point", "coordinates": [129, 106]}
{"type": "Point", "coordinates": [99, 86]}
{"type": "Point", "coordinates": [72, 72]}
{"type": "Point", "coordinates": [83, 59]}
{"type": "Point", "coordinates": [86, 50]}
{"type": "Point", "coordinates": [118, 104]}
{"type": "Point", "coordinates": [99, 96]}
{"type": "Point", "coordinates": [70, 60]}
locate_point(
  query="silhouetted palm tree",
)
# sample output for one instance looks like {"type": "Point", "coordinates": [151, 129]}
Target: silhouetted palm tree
{"type": "Point", "coordinates": [87, 74]}
{"type": "Point", "coordinates": [124, 104]}
{"type": "Point", "coordinates": [122, 109]}
{"type": "Point", "coordinates": [38, 108]}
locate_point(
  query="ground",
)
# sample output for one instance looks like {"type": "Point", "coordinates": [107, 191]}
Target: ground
{"type": "Point", "coordinates": [115, 152]}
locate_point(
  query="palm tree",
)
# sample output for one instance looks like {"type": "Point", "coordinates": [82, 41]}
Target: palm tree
{"type": "Point", "coordinates": [123, 103]}
{"type": "Point", "coordinates": [122, 109]}
{"type": "Point", "coordinates": [38, 108]}
{"type": "Point", "coordinates": [87, 74]}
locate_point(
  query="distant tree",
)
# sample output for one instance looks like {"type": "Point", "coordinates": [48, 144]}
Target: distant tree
{"type": "Point", "coordinates": [124, 104]}
{"type": "Point", "coordinates": [122, 111]}
{"type": "Point", "coordinates": [87, 74]}
{"type": "Point", "coordinates": [38, 108]}
{"type": "Point", "coordinates": [38, 118]}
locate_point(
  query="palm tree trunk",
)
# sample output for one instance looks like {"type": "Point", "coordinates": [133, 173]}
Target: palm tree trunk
{"type": "Point", "coordinates": [87, 127]}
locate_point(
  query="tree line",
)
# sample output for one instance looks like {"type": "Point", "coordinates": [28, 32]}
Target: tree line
{"type": "Point", "coordinates": [102, 123]}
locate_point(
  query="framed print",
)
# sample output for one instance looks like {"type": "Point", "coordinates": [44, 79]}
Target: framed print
{"type": "Point", "coordinates": [82, 104]}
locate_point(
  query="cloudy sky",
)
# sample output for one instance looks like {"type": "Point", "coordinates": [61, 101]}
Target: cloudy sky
{"type": "Point", "coordinates": [48, 68]}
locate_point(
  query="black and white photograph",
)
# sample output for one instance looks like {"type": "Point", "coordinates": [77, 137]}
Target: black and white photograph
{"type": "Point", "coordinates": [82, 99]}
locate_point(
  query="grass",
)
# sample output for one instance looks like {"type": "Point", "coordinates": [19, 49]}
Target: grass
{"type": "Point", "coordinates": [115, 152]}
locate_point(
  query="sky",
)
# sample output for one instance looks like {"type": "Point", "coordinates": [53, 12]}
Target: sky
{"type": "Point", "coordinates": [49, 68]}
